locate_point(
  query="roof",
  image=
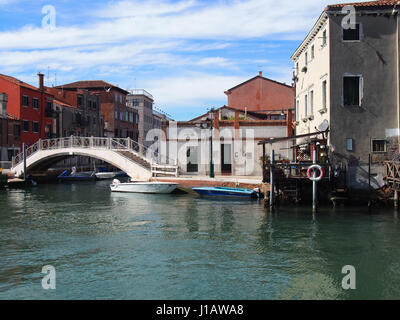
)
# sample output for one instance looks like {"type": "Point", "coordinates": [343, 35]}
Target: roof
{"type": "Point", "coordinates": [61, 103]}
{"type": "Point", "coordinates": [99, 84]}
{"type": "Point", "coordinates": [12, 117]}
{"type": "Point", "coordinates": [256, 77]}
{"type": "Point", "coordinates": [379, 3]}
{"type": "Point", "coordinates": [18, 82]}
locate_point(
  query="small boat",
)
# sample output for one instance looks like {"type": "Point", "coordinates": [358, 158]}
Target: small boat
{"type": "Point", "coordinates": [143, 187]}
{"type": "Point", "coordinates": [76, 176]}
{"type": "Point", "coordinates": [227, 192]}
{"type": "Point", "coordinates": [102, 174]}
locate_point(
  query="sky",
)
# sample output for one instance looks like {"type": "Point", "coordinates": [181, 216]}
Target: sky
{"type": "Point", "coordinates": [186, 53]}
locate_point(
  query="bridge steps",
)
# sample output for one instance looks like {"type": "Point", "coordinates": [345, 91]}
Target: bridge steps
{"type": "Point", "coordinates": [143, 162]}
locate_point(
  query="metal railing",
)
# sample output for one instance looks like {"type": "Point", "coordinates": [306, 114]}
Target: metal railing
{"type": "Point", "coordinates": [115, 144]}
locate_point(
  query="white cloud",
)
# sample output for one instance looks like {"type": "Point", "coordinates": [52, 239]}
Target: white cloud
{"type": "Point", "coordinates": [192, 89]}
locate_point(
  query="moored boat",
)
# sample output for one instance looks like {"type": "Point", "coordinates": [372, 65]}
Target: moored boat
{"type": "Point", "coordinates": [76, 176]}
{"type": "Point", "coordinates": [143, 187]}
{"type": "Point", "coordinates": [227, 192]}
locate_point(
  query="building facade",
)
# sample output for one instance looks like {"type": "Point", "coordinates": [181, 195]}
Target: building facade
{"type": "Point", "coordinates": [119, 119]}
{"type": "Point", "coordinates": [142, 101]}
{"type": "Point", "coordinates": [348, 78]}
{"type": "Point", "coordinates": [235, 136]}
{"type": "Point", "coordinates": [10, 133]}
{"type": "Point", "coordinates": [31, 105]}
{"type": "Point", "coordinates": [261, 94]}
{"type": "Point", "coordinates": [77, 113]}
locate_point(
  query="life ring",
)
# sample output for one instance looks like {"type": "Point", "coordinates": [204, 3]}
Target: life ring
{"type": "Point", "coordinates": [310, 174]}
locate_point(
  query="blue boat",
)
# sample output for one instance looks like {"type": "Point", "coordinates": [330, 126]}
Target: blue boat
{"type": "Point", "coordinates": [226, 192]}
{"type": "Point", "coordinates": [76, 176]}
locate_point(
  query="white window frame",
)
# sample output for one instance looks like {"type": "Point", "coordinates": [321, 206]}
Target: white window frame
{"type": "Point", "coordinates": [361, 35]}
{"type": "Point", "coordinates": [324, 38]}
{"type": "Point", "coordinates": [306, 105]}
{"type": "Point", "coordinates": [361, 88]}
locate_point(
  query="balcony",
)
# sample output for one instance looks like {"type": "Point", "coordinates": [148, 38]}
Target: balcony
{"type": "Point", "coordinates": [141, 92]}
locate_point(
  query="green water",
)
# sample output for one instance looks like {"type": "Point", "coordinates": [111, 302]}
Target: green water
{"type": "Point", "coordinates": [130, 246]}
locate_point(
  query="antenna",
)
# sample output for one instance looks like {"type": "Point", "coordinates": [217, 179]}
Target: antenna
{"type": "Point", "coordinates": [48, 76]}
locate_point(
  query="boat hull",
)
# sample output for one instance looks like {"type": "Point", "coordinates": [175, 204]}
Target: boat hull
{"type": "Point", "coordinates": [226, 192]}
{"type": "Point", "coordinates": [144, 187]}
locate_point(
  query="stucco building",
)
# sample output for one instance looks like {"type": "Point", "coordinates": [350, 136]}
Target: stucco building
{"type": "Point", "coordinates": [10, 133]}
{"type": "Point", "coordinates": [235, 136]}
{"type": "Point", "coordinates": [349, 79]}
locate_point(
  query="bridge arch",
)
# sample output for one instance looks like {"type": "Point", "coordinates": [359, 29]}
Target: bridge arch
{"type": "Point", "coordinates": [120, 153]}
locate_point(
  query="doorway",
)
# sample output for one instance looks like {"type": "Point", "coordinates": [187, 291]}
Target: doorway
{"type": "Point", "coordinates": [226, 158]}
{"type": "Point", "coordinates": [192, 161]}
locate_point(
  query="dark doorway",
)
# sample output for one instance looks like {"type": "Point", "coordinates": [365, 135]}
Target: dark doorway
{"type": "Point", "coordinates": [192, 163]}
{"type": "Point", "coordinates": [226, 158]}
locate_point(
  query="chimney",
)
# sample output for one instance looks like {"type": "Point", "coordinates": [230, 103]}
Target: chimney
{"type": "Point", "coordinates": [41, 81]}
{"type": "Point", "coordinates": [260, 73]}
{"type": "Point", "coordinates": [3, 105]}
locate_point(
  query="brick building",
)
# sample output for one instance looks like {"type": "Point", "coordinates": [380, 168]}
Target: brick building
{"type": "Point", "coordinates": [31, 106]}
{"type": "Point", "coordinates": [119, 119]}
{"type": "Point", "coordinates": [10, 131]}
{"type": "Point", "coordinates": [261, 94]}
{"type": "Point", "coordinates": [78, 113]}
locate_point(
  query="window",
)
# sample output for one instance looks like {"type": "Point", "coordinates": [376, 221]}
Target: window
{"type": "Point", "coordinates": [135, 102]}
{"type": "Point", "coordinates": [137, 119]}
{"type": "Point", "coordinates": [116, 133]}
{"type": "Point", "coordinates": [35, 127]}
{"type": "Point", "coordinates": [378, 145]}
{"type": "Point", "coordinates": [349, 144]}
{"type": "Point", "coordinates": [120, 98]}
{"type": "Point", "coordinates": [352, 91]}
{"type": "Point", "coordinates": [312, 52]}
{"type": "Point", "coordinates": [17, 130]}
{"type": "Point", "coordinates": [306, 58]}
{"type": "Point", "coordinates": [25, 101]}
{"type": "Point", "coordinates": [25, 124]}
{"type": "Point", "coordinates": [130, 117]}
{"type": "Point", "coordinates": [94, 120]}
{"type": "Point", "coordinates": [116, 114]}
{"type": "Point", "coordinates": [297, 68]}
{"type": "Point", "coordinates": [297, 110]}
{"type": "Point", "coordinates": [116, 97]}
{"type": "Point", "coordinates": [35, 103]}
{"type": "Point", "coordinates": [80, 101]}
{"type": "Point", "coordinates": [306, 105]}
{"type": "Point", "coordinates": [126, 116]}
{"type": "Point", "coordinates": [324, 94]}
{"type": "Point", "coordinates": [352, 34]}
{"type": "Point", "coordinates": [311, 102]}
{"type": "Point", "coordinates": [324, 39]}
{"type": "Point", "coordinates": [121, 116]}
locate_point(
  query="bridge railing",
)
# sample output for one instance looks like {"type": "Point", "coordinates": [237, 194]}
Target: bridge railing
{"type": "Point", "coordinates": [153, 156]}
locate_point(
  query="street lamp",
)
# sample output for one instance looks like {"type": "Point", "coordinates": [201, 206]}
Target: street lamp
{"type": "Point", "coordinates": [212, 175]}
{"type": "Point", "coordinates": [209, 122]}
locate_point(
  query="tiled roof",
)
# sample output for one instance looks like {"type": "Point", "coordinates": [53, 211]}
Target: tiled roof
{"type": "Point", "coordinates": [257, 77]}
{"type": "Point", "coordinates": [100, 84]}
{"type": "Point", "coordinates": [18, 82]}
{"type": "Point", "coordinates": [12, 117]}
{"type": "Point", "coordinates": [61, 103]}
{"type": "Point", "coordinates": [379, 3]}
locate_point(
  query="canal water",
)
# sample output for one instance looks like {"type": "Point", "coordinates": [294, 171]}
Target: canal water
{"type": "Point", "coordinates": [131, 246]}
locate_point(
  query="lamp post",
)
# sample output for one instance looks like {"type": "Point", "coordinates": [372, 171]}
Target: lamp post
{"type": "Point", "coordinates": [212, 175]}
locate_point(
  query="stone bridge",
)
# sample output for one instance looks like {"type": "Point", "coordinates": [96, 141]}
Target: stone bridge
{"type": "Point", "coordinates": [139, 162]}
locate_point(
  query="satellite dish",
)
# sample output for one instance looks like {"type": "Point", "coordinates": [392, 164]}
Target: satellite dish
{"type": "Point", "coordinates": [323, 126]}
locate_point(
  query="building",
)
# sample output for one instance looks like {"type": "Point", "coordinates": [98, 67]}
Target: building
{"type": "Point", "coordinates": [119, 119]}
{"type": "Point", "coordinates": [10, 133]}
{"type": "Point", "coordinates": [261, 94]}
{"type": "Point", "coordinates": [33, 106]}
{"type": "Point", "coordinates": [348, 78]}
{"type": "Point", "coordinates": [235, 136]}
{"type": "Point", "coordinates": [142, 101]}
{"type": "Point", "coordinates": [78, 113]}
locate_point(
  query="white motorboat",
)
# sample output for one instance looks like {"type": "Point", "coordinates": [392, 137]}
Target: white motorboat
{"type": "Point", "coordinates": [143, 187]}
{"type": "Point", "coordinates": [105, 175]}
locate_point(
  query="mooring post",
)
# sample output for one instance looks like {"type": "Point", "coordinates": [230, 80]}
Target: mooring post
{"type": "Point", "coordinates": [24, 153]}
{"type": "Point", "coordinates": [272, 182]}
{"type": "Point", "coordinates": [315, 191]}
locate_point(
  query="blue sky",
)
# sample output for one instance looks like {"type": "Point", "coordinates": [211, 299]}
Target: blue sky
{"type": "Point", "coordinates": [185, 52]}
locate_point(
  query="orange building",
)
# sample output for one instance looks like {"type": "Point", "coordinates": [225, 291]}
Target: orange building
{"type": "Point", "coordinates": [260, 94]}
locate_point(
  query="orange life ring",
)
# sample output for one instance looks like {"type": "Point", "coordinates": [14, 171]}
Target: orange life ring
{"type": "Point", "coordinates": [310, 174]}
